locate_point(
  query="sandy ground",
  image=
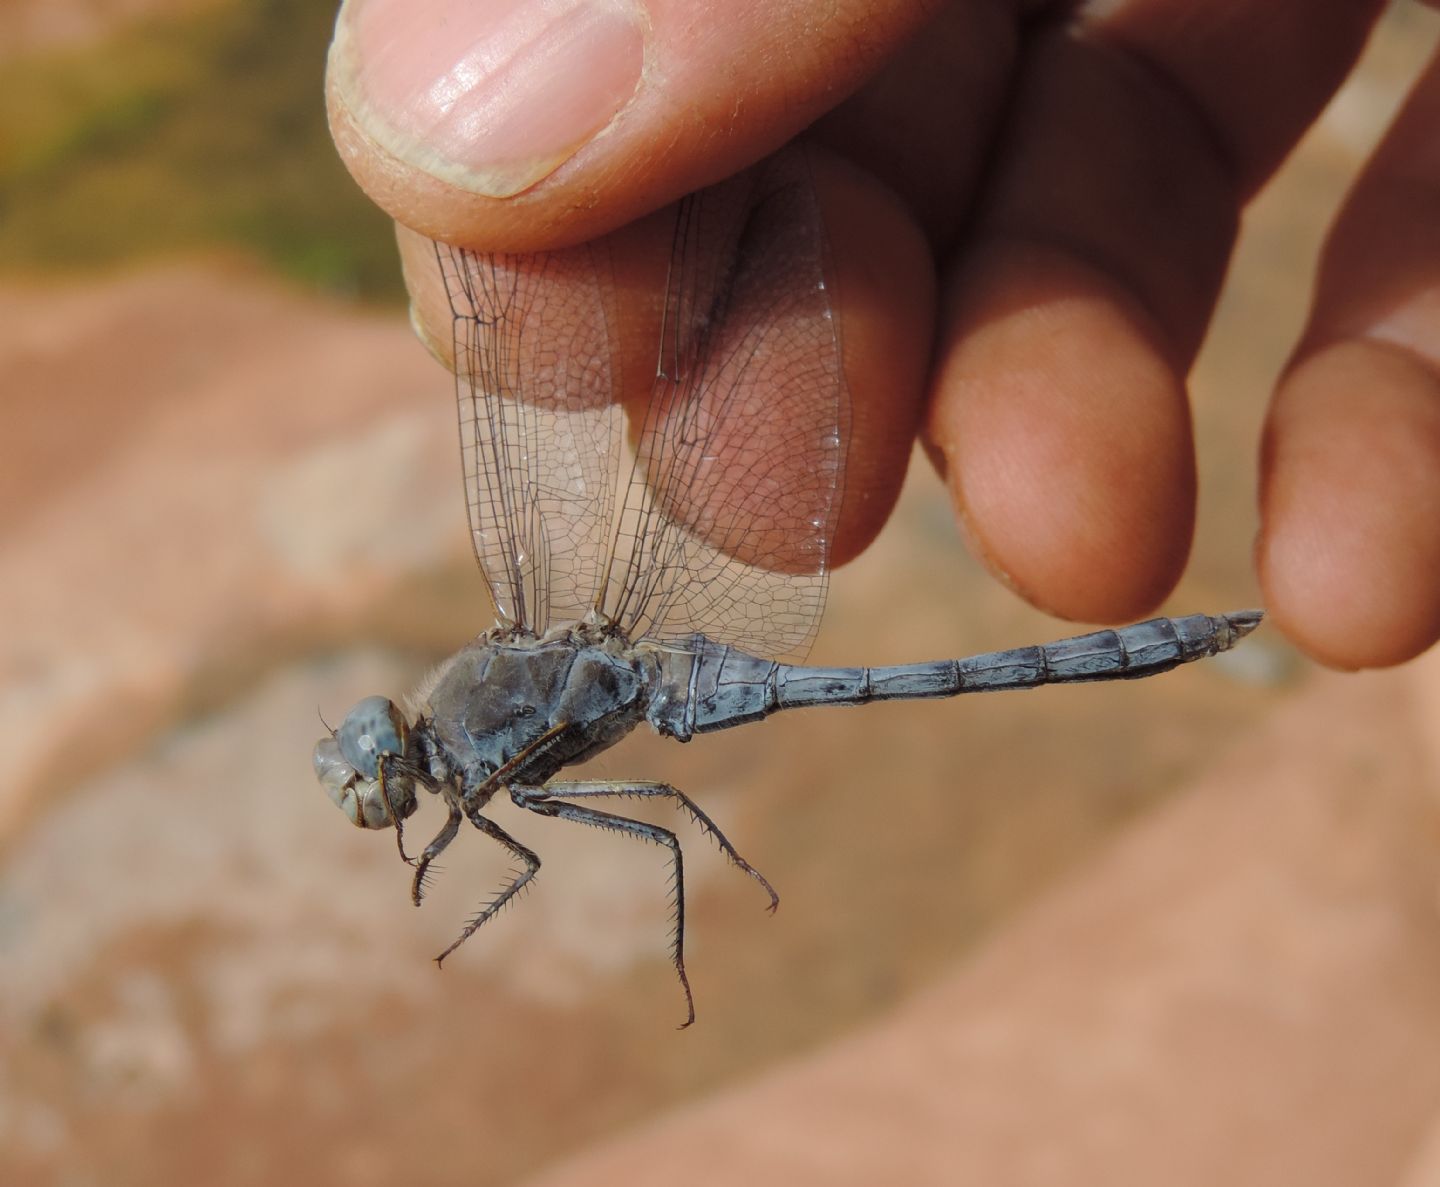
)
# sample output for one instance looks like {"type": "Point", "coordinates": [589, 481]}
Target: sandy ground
{"type": "Point", "coordinates": [1177, 932]}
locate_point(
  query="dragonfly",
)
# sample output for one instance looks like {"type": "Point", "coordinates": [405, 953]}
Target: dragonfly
{"type": "Point", "coordinates": [659, 558]}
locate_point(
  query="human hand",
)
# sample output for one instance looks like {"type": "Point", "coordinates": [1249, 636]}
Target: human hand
{"type": "Point", "coordinates": [1073, 179]}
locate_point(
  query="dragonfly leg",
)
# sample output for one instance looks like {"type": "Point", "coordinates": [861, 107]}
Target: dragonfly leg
{"type": "Point", "coordinates": [517, 883]}
{"type": "Point", "coordinates": [578, 789]}
{"type": "Point", "coordinates": [541, 800]}
{"type": "Point", "coordinates": [433, 850]}
{"type": "Point", "coordinates": [387, 760]}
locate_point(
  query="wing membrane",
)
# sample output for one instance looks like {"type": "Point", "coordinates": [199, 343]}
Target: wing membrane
{"type": "Point", "coordinates": [539, 434]}
{"type": "Point", "coordinates": [724, 521]}
{"type": "Point", "coordinates": [727, 520]}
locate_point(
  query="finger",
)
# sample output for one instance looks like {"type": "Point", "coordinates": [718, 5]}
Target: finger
{"type": "Point", "coordinates": [524, 124]}
{"type": "Point", "coordinates": [880, 281]}
{"type": "Point", "coordinates": [1059, 411]}
{"type": "Point", "coordinates": [1349, 551]}
{"type": "Point", "coordinates": [930, 152]}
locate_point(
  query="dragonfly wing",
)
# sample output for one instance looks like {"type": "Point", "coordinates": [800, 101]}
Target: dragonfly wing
{"type": "Point", "coordinates": [540, 437]}
{"type": "Point", "coordinates": [726, 522]}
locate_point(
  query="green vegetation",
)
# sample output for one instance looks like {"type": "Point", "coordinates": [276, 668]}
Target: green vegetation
{"type": "Point", "coordinates": [189, 133]}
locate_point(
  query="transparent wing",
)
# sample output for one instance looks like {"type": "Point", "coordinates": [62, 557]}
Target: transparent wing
{"type": "Point", "coordinates": [723, 522]}
{"type": "Point", "coordinates": [540, 438]}
{"type": "Point", "coordinates": [726, 521]}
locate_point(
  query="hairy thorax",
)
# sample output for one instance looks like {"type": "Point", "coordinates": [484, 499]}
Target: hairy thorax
{"type": "Point", "coordinates": [506, 690]}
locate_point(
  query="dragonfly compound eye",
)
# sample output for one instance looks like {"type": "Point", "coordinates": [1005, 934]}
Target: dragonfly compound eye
{"type": "Point", "coordinates": [374, 727]}
{"type": "Point", "coordinates": [359, 798]}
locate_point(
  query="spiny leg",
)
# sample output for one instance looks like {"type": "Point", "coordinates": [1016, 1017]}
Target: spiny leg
{"type": "Point", "coordinates": [385, 761]}
{"type": "Point", "coordinates": [474, 799]}
{"type": "Point", "coordinates": [433, 850]}
{"type": "Point", "coordinates": [532, 867]}
{"type": "Point", "coordinates": [555, 736]}
{"type": "Point", "coordinates": [539, 800]}
{"type": "Point", "coordinates": [580, 788]}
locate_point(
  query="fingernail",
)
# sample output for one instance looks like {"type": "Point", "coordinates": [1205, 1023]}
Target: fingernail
{"type": "Point", "coordinates": [489, 95]}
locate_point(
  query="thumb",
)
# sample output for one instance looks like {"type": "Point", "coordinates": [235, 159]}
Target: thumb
{"type": "Point", "coordinates": [513, 125]}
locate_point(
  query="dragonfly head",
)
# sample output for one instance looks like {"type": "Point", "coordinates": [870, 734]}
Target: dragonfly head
{"type": "Point", "coordinates": [347, 763]}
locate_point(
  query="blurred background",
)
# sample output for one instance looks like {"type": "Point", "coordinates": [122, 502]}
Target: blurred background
{"type": "Point", "coordinates": [231, 497]}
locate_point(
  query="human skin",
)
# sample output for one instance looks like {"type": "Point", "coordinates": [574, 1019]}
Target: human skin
{"type": "Point", "coordinates": [1030, 209]}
